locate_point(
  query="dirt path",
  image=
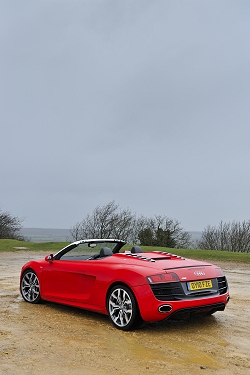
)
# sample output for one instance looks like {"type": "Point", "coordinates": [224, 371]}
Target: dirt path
{"type": "Point", "coordinates": [54, 339]}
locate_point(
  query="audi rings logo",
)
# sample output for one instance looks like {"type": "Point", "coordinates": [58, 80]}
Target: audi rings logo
{"type": "Point", "coordinates": [199, 273]}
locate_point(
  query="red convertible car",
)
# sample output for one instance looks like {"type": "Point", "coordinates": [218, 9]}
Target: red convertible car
{"type": "Point", "coordinates": [130, 286]}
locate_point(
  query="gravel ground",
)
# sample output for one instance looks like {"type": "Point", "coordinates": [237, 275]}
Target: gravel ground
{"type": "Point", "coordinates": [54, 339]}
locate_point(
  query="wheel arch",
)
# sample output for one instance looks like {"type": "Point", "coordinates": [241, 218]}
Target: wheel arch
{"type": "Point", "coordinates": [28, 269]}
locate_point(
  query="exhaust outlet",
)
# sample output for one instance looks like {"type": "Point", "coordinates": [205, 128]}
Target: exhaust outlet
{"type": "Point", "coordinates": [165, 308]}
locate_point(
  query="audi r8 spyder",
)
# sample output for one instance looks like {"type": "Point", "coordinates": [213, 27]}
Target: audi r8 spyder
{"type": "Point", "coordinates": [131, 286]}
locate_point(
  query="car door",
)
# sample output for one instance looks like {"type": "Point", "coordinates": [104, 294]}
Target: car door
{"type": "Point", "coordinates": [96, 283]}
{"type": "Point", "coordinates": [63, 280]}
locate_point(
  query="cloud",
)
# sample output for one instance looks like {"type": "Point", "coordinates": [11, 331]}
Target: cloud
{"type": "Point", "coordinates": [138, 101]}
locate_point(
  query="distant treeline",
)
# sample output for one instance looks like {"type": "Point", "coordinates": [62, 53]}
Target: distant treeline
{"type": "Point", "coordinates": [111, 221]}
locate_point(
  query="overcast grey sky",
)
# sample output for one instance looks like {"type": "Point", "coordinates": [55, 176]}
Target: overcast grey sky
{"type": "Point", "coordinates": [143, 102]}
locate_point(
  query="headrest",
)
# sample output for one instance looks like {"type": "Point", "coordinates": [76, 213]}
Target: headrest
{"type": "Point", "coordinates": [105, 251]}
{"type": "Point", "coordinates": [136, 249]}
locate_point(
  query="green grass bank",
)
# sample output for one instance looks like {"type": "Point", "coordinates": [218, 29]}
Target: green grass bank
{"type": "Point", "coordinates": [53, 247]}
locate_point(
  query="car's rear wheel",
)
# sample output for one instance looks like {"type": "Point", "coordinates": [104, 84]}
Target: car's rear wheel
{"type": "Point", "coordinates": [122, 308]}
{"type": "Point", "coordinates": [30, 287]}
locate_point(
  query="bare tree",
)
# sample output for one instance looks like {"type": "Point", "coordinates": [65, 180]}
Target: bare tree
{"type": "Point", "coordinates": [108, 221]}
{"type": "Point", "coordinates": [233, 236]}
{"type": "Point", "coordinates": [10, 226]}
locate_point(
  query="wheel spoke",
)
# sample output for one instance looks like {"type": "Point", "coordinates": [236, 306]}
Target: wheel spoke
{"type": "Point", "coordinates": [126, 317]}
{"type": "Point", "coordinates": [25, 282]}
{"type": "Point", "coordinates": [121, 318]}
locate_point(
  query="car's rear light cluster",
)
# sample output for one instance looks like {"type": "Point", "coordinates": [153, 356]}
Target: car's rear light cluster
{"type": "Point", "coordinates": [163, 278]}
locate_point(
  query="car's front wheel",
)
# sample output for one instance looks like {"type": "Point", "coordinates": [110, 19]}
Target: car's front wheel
{"type": "Point", "coordinates": [122, 308]}
{"type": "Point", "coordinates": [30, 287]}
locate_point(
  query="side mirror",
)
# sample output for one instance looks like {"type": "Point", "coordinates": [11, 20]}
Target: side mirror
{"type": "Point", "coordinates": [49, 258]}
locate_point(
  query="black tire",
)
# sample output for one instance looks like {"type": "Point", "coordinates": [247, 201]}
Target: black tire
{"type": "Point", "coordinates": [122, 308]}
{"type": "Point", "coordinates": [30, 287]}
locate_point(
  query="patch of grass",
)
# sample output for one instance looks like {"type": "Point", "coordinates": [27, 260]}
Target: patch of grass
{"type": "Point", "coordinates": [205, 254]}
{"type": "Point", "coordinates": [14, 245]}
{"type": "Point", "coordinates": [53, 247]}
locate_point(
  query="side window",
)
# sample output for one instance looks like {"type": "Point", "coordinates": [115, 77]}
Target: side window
{"type": "Point", "coordinates": [80, 252]}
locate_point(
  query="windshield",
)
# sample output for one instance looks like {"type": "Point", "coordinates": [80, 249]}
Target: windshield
{"type": "Point", "coordinates": [88, 248]}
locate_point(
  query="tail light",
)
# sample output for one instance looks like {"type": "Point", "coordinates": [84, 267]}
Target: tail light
{"type": "Point", "coordinates": [166, 277]}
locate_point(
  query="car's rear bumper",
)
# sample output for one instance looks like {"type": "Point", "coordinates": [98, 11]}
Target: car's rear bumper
{"type": "Point", "coordinates": [152, 309]}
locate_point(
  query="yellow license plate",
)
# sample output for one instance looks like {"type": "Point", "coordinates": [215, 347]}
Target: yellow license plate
{"type": "Point", "coordinates": [201, 284]}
